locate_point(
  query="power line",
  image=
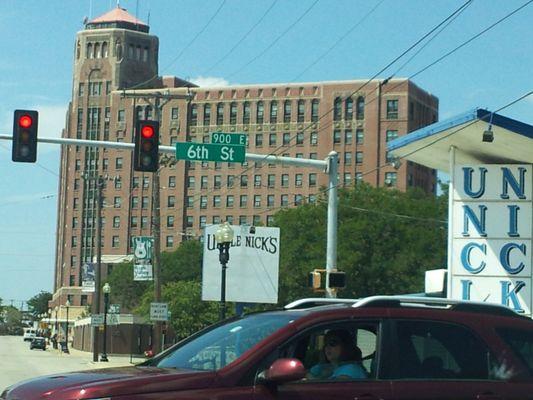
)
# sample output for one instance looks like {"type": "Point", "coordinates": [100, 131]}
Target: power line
{"type": "Point", "coordinates": [242, 38]}
{"type": "Point", "coordinates": [277, 39]}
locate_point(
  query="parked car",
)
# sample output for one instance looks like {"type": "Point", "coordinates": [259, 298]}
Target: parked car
{"type": "Point", "coordinates": [29, 334]}
{"type": "Point", "coordinates": [38, 343]}
{"type": "Point", "coordinates": [407, 347]}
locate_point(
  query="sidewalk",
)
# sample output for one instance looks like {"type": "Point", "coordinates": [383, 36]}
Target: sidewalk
{"type": "Point", "coordinates": [85, 357]}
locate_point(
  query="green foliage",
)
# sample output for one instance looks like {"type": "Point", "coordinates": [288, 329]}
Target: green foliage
{"type": "Point", "coordinates": [183, 264]}
{"type": "Point", "coordinates": [38, 304]}
{"type": "Point", "coordinates": [12, 324]}
{"type": "Point", "coordinates": [124, 290]}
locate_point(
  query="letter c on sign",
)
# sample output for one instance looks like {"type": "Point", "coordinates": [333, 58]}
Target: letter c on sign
{"type": "Point", "coordinates": [505, 257]}
{"type": "Point", "coordinates": [465, 257]}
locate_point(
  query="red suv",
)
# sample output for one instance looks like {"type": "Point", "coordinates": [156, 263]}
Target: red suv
{"type": "Point", "coordinates": [392, 348]}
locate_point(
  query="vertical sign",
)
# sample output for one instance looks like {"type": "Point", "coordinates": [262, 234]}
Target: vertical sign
{"type": "Point", "coordinates": [491, 244]}
{"type": "Point", "coordinates": [87, 277]}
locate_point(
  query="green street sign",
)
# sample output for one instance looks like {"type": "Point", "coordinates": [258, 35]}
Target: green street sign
{"type": "Point", "coordinates": [210, 152]}
{"type": "Point", "coordinates": [229, 138]}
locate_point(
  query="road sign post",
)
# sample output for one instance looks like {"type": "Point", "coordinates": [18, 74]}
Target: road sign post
{"type": "Point", "coordinates": [210, 152]}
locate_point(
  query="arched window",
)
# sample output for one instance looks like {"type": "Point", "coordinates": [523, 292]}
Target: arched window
{"type": "Point", "coordinates": [194, 115]}
{"type": "Point", "coordinates": [360, 108]}
{"type": "Point", "coordinates": [207, 114]}
{"type": "Point", "coordinates": [301, 110]}
{"type": "Point", "coordinates": [337, 109]}
{"type": "Point", "coordinates": [78, 50]}
{"type": "Point", "coordinates": [145, 54]}
{"type": "Point", "coordinates": [260, 115]}
{"type": "Point", "coordinates": [138, 53]}
{"type": "Point", "coordinates": [246, 113]}
{"type": "Point", "coordinates": [104, 50]}
{"type": "Point", "coordinates": [97, 50]}
{"type": "Point", "coordinates": [348, 111]}
{"type": "Point", "coordinates": [233, 113]}
{"type": "Point", "coordinates": [220, 113]}
{"type": "Point", "coordinates": [287, 109]}
{"type": "Point", "coordinates": [89, 50]}
{"type": "Point", "coordinates": [118, 50]}
{"type": "Point", "coordinates": [131, 51]}
{"type": "Point", "coordinates": [314, 110]}
{"type": "Point", "coordinates": [273, 111]}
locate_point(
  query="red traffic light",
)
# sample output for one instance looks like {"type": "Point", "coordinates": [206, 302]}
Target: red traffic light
{"type": "Point", "coordinates": [25, 121]}
{"type": "Point", "coordinates": [147, 131]}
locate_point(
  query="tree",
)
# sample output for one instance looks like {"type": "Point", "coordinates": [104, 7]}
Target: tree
{"type": "Point", "coordinates": [124, 290]}
{"type": "Point", "coordinates": [38, 304]}
{"type": "Point", "coordinates": [182, 264]}
{"type": "Point", "coordinates": [13, 321]}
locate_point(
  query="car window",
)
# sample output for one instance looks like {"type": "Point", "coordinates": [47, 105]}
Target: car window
{"type": "Point", "coordinates": [434, 350]}
{"type": "Point", "coordinates": [223, 344]}
{"type": "Point", "coordinates": [521, 341]}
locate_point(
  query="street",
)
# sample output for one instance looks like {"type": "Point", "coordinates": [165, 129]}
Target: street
{"type": "Point", "coordinates": [18, 362]}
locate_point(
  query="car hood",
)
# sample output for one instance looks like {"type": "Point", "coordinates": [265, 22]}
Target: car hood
{"type": "Point", "coordinates": [110, 382]}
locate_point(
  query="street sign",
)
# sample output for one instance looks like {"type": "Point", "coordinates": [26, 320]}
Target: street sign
{"type": "Point", "coordinates": [114, 309]}
{"type": "Point", "coordinates": [97, 319]}
{"type": "Point", "coordinates": [87, 277]}
{"type": "Point", "coordinates": [253, 267]}
{"type": "Point", "coordinates": [229, 138]}
{"type": "Point", "coordinates": [210, 152]}
{"type": "Point", "coordinates": [158, 311]}
{"type": "Point", "coordinates": [143, 272]}
{"type": "Point", "coordinates": [142, 247]}
{"type": "Point", "coordinates": [112, 319]}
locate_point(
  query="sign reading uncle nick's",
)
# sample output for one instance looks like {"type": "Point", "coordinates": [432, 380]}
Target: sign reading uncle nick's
{"type": "Point", "coordinates": [491, 243]}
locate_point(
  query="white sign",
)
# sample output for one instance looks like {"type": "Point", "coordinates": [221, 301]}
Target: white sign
{"type": "Point", "coordinates": [142, 272]}
{"type": "Point", "coordinates": [112, 319]}
{"type": "Point", "coordinates": [87, 277]}
{"type": "Point", "coordinates": [158, 311]}
{"type": "Point", "coordinates": [142, 247]}
{"type": "Point", "coordinates": [253, 267]}
{"type": "Point", "coordinates": [97, 319]}
{"type": "Point", "coordinates": [114, 309]}
{"type": "Point", "coordinates": [492, 231]}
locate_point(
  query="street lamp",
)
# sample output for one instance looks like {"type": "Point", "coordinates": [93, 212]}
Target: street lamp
{"type": "Point", "coordinates": [224, 237]}
{"type": "Point", "coordinates": [67, 304]}
{"type": "Point", "coordinates": [106, 289]}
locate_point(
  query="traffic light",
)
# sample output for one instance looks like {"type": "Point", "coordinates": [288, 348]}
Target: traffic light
{"type": "Point", "coordinates": [146, 154]}
{"type": "Point", "coordinates": [314, 280]}
{"type": "Point", "coordinates": [337, 279]}
{"type": "Point", "coordinates": [25, 124]}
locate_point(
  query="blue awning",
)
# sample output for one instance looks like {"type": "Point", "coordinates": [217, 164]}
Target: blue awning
{"type": "Point", "coordinates": [429, 146]}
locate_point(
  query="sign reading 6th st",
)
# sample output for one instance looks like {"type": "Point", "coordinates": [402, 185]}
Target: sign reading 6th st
{"type": "Point", "coordinates": [210, 152]}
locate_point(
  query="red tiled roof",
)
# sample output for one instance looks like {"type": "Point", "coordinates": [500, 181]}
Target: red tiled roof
{"type": "Point", "coordinates": [118, 14]}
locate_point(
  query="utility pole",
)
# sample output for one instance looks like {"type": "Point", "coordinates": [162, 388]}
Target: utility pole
{"type": "Point", "coordinates": [98, 271]}
{"type": "Point", "coordinates": [157, 100]}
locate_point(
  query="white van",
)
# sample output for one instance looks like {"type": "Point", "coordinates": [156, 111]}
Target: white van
{"type": "Point", "coordinates": [29, 334]}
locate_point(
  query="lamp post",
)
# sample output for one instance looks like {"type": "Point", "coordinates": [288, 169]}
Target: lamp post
{"type": "Point", "coordinates": [66, 350]}
{"type": "Point", "coordinates": [56, 309]}
{"type": "Point", "coordinates": [106, 289]}
{"type": "Point", "coordinates": [224, 237]}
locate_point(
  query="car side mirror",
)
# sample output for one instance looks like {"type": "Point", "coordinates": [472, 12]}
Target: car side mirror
{"type": "Point", "coordinates": [284, 370]}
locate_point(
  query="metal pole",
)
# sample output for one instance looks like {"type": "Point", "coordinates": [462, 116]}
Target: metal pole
{"type": "Point", "coordinates": [103, 357]}
{"type": "Point", "coordinates": [223, 257]}
{"type": "Point", "coordinates": [66, 334]}
{"type": "Point", "coordinates": [331, 257]}
{"type": "Point", "coordinates": [451, 188]}
{"type": "Point", "coordinates": [98, 270]}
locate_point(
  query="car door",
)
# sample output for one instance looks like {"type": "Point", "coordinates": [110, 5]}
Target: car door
{"type": "Point", "coordinates": [307, 347]}
{"type": "Point", "coordinates": [442, 361]}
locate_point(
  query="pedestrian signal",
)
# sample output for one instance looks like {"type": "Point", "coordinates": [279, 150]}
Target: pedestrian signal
{"type": "Point", "coordinates": [25, 123]}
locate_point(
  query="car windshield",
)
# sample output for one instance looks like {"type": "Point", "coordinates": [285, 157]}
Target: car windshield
{"type": "Point", "coordinates": [224, 344]}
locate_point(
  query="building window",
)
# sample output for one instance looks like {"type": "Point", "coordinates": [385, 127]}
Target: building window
{"type": "Point", "coordinates": [336, 136]}
{"type": "Point", "coordinates": [284, 200]}
{"type": "Point", "coordinates": [217, 181]}
{"type": "Point", "coordinates": [273, 111]}
{"type": "Point", "coordinates": [203, 182]}
{"type": "Point", "coordinates": [203, 202]}
{"type": "Point", "coordinates": [73, 261]}
{"type": "Point", "coordinates": [243, 220]}
{"type": "Point", "coordinates": [230, 181]}
{"type": "Point", "coordinates": [117, 202]}
{"type": "Point", "coordinates": [189, 201]}
{"type": "Point", "coordinates": [285, 180]}
{"type": "Point", "coordinates": [174, 113]}
{"type": "Point", "coordinates": [347, 158]}
{"type": "Point", "coordinates": [244, 181]}
{"type": "Point", "coordinates": [191, 182]}
{"type": "Point", "coordinates": [300, 138]}
{"type": "Point", "coordinates": [115, 242]}
{"type": "Point", "coordinates": [121, 116]}
{"type": "Point", "coordinates": [216, 220]}
{"type": "Point", "coordinates": [144, 222]}
{"type": "Point", "coordinates": [194, 115]}
{"type": "Point", "coordinates": [298, 179]}
{"type": "Point", "coordinates": [256, 220]}
{"type": "Point", "coordinates": [257, 180]}
{"type": "Point", "coordinates": [189, 221]}
{"type": "Point", "coordinates": [230, 200]}
{"type": "Point", "coordinates": [74, 222]}
{"type": "Point", "coordinates": [220, 113]}
{"type": "Point", "coordinates": [257, 200]}
{"type": "Point", "coordinates": [287, 109]}
{"type": "Point", "coordinates": [298, 199]}
{"type": "Point", "coordinates": [203, 221]}
{"type": "Point", "coordinates": [246, 113]}
{"type": "Point", "coordinates": [360, 108]}
{"type": "Point", "coordinates": [144, 202]}
{"type": "Point", "coordinates": [391, 178]}
{"type": "Point", "coordinates": [347, 178]}
{"type": "Point", "coordinates": [116, 222]}
{"type": "Point", "coordinates": [312, 180]}
{"type": "Point", "coordinates": [359, 157]}
{"type": "Point", "coordinates": [337, 109]}
{"type": "Point", "coordinates": [348, 108]}
{"type": "Point", "coordinates": [392, 109]}
{"type": "Point", "coordinates": [172, 181]}
{"type": "Point", "coordinates": [313, 139]}
{"type": "Point", "coordinates": [170, 221]}
{"type": "Point", "coordinates": [72, 280]}
{"type": "Point", "coordinates": [359, 176]}
{"type": "Point", "coordinates": [260, 115]}
{"type": "Point", "coordinates": [314, 110]}
{"type": "Point", "coordinates": [270, 200]}
{"type": "Point", "coordinates": [258, 140]}
{"type": "Point", "coordinates": [134, 202]}
{"type": "Point", "coordinates": [119, 163]}
{"type": "Point", "coordinates": [233, 113]}
{"type": "Point", "coordinates": [359, 136]}
{"type": "Point", "coordinates": [271, 180]}
{"type": "Point", "coordinates": [272, 139]}
{"type": "Point", "coordinates": [348, 136]}
{"type": "Point", "coordinates": [391, 135]}
{"type": "Point", "coordinates": [74, 241]}
{"type": "Point", "coordinates": [270, 220]}
{"type": "Point", "coordinates": [170, 241]}
{"type": "Point", "coordinates": [207, 114]}
{"type": "Point", "coordinates": [243, 201]}
{"type": "Point", "coordinates": [217, 201]}
{"type": "Point", "coordinates": [286, 139]}
{"type": "Point", "coordinates": [301, 110]}
{"type": "Point", "coordinates": [134, 222]}
{"type": "Point", "coordinates": [171, 201]}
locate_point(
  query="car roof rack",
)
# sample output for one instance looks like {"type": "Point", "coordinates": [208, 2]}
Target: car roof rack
{"type": "Point", "coordinates": [408, 301]}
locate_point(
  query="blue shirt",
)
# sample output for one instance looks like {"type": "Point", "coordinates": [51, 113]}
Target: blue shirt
{"type": "Point", "coordinates": [351, 370]}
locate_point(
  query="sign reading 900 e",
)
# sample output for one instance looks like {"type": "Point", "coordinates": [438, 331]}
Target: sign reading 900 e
{"type": "Point", "coordinates": [228, 138]}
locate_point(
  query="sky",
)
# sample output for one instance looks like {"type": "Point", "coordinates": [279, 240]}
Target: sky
{"type": "Point", "coordinates": [239, 42]}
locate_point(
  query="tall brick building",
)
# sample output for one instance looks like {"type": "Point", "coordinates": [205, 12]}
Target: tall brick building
{"type": "Point", "coordinates": [308, 120]}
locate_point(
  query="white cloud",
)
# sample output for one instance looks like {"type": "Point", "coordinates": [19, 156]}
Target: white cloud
{"type": "Point", "coordinates": [209, 81]}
